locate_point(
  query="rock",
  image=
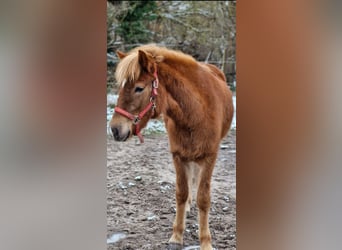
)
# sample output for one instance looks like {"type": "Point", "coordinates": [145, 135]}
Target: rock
{"type": "Point", "coordinates": [115, 238]}
{"type": "Point", "coordinates": [225, 209]}
{"type": "Point", "coordinates": [167, 187]}
{"type": "Point", "coordinates": [231, 237]}
{"type": "Point", "coordinates": [152, 217]}
{"type": "Point", "coordinates": [131, 184]}
{"type": "Point", "coordinates": [122, 186]}
{"type": "Point", "coordinates": [192, 248]}
{"type": "Point", "coordinates": [138, 178]}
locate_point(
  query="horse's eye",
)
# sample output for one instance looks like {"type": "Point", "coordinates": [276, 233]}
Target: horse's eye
{"type": "Point", "coordinates": [138, 89]}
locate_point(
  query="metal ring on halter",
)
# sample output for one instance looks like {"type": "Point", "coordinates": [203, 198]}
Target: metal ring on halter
{"type": "Point", "coordinates": [152, 99]}
{"type": "Point", "coordinates": [136, 120]}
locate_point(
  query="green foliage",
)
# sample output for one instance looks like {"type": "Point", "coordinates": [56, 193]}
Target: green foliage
{"type": "Point", "coordinates": [132, 28]}
{"type": "Point", "coordinates": [111, 105]}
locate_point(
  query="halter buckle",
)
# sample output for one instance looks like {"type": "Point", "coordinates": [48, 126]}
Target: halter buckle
{"type": "Point", "coordinates": [136, 120]}
{"type": "Point", "coordinates": [152, 99]}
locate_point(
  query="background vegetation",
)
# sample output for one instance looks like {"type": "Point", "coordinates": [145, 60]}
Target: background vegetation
{"type": "Point", "coordinates": [203, 29]}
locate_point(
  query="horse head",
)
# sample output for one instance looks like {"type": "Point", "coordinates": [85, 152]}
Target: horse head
{"type": "Point", "coordinates": [137, 75]}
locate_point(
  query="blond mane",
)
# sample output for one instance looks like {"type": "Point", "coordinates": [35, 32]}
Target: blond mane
{"type": "Point", "coordinates": [129, 69]}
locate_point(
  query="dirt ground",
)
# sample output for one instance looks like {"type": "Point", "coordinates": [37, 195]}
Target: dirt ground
{"type": "Point", "coordinates": [141, 196]}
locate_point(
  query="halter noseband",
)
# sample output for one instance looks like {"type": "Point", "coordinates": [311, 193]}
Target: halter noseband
{"type": "Point", "coordinates": [152, 105]}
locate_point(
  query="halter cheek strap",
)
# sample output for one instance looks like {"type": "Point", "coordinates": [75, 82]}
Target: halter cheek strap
{"type": "Point", "coordinates": [152, 105]}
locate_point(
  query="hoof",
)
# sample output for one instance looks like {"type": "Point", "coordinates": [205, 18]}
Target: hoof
{"type": "Point", "coordinates": [174, 246]}
{"type": "Point", "coordinates": [207, 247]}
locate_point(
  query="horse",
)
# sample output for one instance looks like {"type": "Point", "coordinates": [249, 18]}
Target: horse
{"type": "Point", "coordinates": [196, 104]}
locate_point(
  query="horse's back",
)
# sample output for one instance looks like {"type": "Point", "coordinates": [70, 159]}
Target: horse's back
{"type": "Point", "coordinates": [216, 71]}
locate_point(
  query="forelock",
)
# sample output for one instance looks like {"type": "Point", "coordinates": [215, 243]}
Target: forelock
{"type": "Point", "coordinates": [128, 69]}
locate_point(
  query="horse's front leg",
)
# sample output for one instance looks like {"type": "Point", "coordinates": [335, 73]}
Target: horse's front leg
{"type": "Point", "coordinates": [182, 192]}
{"type": "Point", "coordinates": [203, 201]}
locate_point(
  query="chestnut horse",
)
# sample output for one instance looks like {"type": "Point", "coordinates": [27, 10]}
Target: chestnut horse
{"type": "Point", "coordinates": [197, 109]}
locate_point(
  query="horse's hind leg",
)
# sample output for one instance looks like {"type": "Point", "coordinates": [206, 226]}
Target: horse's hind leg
{"type": "Point", "coordinates": [192, 174]}
{"type": "Point", "coordinates": [203, 201]}
{"type": "Point", "coordinates": [182, 191]}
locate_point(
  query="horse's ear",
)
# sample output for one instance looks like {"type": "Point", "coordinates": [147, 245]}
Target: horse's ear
{"type": "Point", "coordinates": [120, 54]}
{"type": "Point", "coordinates": [146, 61]}
{"type": "Point", "coordinates": [143, 59]}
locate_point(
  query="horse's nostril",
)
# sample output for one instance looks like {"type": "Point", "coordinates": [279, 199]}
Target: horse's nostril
{"type": "Point", "coordinates": [115, 133]}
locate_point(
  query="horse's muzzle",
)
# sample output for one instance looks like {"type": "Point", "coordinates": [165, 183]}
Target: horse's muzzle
{"type": "Point", "coordinates": [119, 135]}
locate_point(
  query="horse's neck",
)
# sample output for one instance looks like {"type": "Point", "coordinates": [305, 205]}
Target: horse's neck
{"type": "Point", "coordinates": [178, 104]}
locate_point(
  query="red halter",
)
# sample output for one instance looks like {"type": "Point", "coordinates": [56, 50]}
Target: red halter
{"type": "Point", "coordinates": [152, 105]}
